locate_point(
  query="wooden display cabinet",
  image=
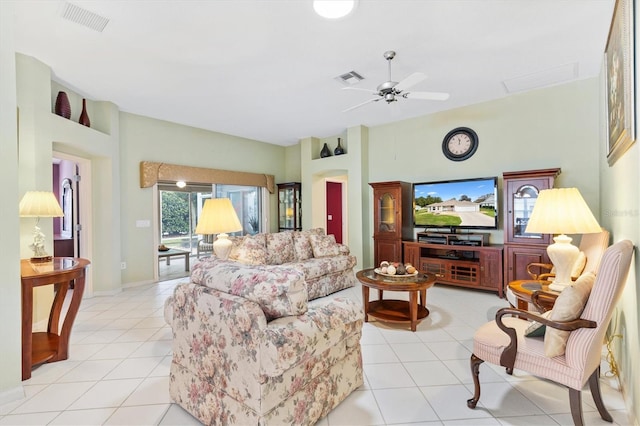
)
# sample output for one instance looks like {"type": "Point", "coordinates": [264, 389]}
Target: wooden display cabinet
{"type": "Point", "coordinates": [520, 192]}
{"type": "Point", "coordinates": [289, 206]}
{"type": "Point", "coordinates": [392, 219]}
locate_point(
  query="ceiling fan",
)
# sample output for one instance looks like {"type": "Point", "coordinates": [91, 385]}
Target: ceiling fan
{"type": "Point", "coordinates": [390, 90]}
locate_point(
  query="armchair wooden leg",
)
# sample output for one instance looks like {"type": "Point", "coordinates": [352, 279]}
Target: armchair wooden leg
{"type": "Point", "coordinates": [475, 372]}
{"type": "Point", "coordinates": [594, 385]}
{"type": "Point", "coordinates": [575, 400]}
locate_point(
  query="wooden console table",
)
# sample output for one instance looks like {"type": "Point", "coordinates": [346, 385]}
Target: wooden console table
{"type": "Point", "coordinates": [52, 345]}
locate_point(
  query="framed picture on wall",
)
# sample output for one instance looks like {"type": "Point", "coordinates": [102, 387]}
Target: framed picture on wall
{"type": "Point", "coordinates": [619, 68]}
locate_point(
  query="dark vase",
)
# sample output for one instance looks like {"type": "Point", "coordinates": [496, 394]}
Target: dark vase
{"type": "Point", "coordinates": [339, 149]}
{"type": "Point", "coordinates": [63, 108]}
{"type": "Point", "coordinates": [84, 117]}
{"type": "Point", "coordinates": [325, 151]}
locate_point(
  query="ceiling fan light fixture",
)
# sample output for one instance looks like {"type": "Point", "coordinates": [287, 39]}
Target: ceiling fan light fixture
{"type": "Point", "coordinates": [334, 9]}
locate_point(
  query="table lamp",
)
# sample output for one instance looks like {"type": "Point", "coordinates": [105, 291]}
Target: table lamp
{"type": "Point", "coordinates": [562, 211]}
{"type": "Point", "coordinates": [219, 217]}
{"type": "Point", "coordinates": [39, 204]}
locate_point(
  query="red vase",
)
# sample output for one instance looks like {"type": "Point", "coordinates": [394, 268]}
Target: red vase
{"type": "Point", "coordinates": [63, 108]}
{"type": "Point", "coordinates": [84, 117]}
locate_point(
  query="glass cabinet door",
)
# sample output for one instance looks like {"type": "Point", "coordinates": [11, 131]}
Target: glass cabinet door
{"type": "Point", "coordinates": [523, 201]}
{"type": "Point", "coordinates": [387, 210]}
{"type": "Point", "coordinates": [289, 206]}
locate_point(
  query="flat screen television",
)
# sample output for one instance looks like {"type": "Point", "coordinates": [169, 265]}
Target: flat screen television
{"type": "Point", "coordinates": [456, 204]}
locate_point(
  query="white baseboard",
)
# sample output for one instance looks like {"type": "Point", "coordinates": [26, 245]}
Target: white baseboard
{"type": "Point", "coordinates": [138, 283]}
{"type": "Point", "coordinates": [13, 394]}
{"type": "Point", "coordinates": [107, 293]}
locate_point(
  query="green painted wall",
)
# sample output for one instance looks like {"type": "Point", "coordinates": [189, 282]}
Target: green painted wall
{"type": "Point", "coordinates": [147, 139]}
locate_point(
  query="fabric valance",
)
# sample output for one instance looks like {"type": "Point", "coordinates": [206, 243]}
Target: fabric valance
{"type": "Point", "coordinates": [152, 173]}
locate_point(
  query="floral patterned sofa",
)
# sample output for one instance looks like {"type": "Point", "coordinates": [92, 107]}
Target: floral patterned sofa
{"type": "Point", "coordinates": [327, 265]}
{"type": "Point", "coordinates": [249, 348]}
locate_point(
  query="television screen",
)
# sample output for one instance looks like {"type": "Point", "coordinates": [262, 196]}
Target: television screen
{"type": "Point", "coordinates": [466, 203]}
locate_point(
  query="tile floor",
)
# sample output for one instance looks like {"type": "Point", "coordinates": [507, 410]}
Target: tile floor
{"type": "Point", "coordinates": [118, 370]}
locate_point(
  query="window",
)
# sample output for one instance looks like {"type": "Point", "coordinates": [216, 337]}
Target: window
{"type": "Point", "coordinates": [180, 209]}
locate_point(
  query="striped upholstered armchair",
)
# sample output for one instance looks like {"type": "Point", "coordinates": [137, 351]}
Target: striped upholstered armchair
{"type": "Point", "coordinates": [568, 352]}
{"type": "Point", "coordinates": [205, 245]}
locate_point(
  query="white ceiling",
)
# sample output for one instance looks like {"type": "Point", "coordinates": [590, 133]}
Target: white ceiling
{"type": "Point", "coordinates": [265, 69]}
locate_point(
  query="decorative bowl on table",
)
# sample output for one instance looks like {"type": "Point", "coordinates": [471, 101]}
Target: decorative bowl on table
{"type": "Point", "coordinates": [162, 247]}
{"type": "Point", "coordinates": [396, 270]}
{"type": "Point", "coordinates": [379, 272]}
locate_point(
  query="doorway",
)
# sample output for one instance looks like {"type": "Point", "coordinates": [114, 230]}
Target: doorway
{"type": "Point", "coordinates": [179, 209]}
{"type": "Point", "coordinates": [73, 232]}
{"type": "Point", "coordinates": [334, 210]}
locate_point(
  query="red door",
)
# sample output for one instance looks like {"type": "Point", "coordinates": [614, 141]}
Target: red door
{"type": "Point", "coordinates": [334, 210]}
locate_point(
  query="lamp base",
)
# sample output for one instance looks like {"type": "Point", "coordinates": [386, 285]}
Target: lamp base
{"type": "Point", "coordinates": [222, 246]}
{"type": "Point", "coordinates": [563, 255]}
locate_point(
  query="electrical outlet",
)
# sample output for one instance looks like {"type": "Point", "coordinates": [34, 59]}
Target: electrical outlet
{"type": "Point", "coordinates": [123, 265]}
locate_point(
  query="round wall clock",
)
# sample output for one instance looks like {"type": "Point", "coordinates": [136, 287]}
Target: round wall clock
{"type": "Point", "coordinates": [460, 144]}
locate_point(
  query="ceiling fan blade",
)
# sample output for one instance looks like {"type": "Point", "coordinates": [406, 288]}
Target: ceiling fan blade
{"type": "Point", "coordinates": [409, 81]}
{"type": "Point", "coordinates": [430, 96]}
{"type": "Point", "coordinates": [360, 88]}
{"type": "Point", "coordinates": [362, 104]}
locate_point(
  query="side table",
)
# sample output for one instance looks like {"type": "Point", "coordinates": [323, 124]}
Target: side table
{"type": "Point", "coordinates": [524, 289]}
{"type": "Point", "coordinates": [399, 311]}
{"type": "Point", "coordinates": [52, 345]}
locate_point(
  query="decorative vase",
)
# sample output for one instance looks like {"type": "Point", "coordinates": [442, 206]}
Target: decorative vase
{"type": "Point", "coordinates": [326, 152]}
{"type": "Point", "coordinates": [84, 117]}
{"type": "Point", "coordinates": [63, 108]}
{"type": "Point", "coordinates": [339, 149]}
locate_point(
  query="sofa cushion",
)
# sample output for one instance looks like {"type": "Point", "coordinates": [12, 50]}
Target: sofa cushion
{"type": "Point", "coordinates": [279, 290]}
{"type": "Point", "coordinates": [279, 248]}
{"type": "Point", "coordinates": [290, 341]}
{"type": "Point", "coordinates": [250, 249]}
{"type": "Point", "coordinates": [320, 266]}
{"type": "Point", "coordinates": [324, 245]}
{"type": "Point", "coordinates": [302, 246]}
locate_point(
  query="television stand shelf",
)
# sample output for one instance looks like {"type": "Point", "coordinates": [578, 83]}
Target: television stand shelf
{"type": "Point", "coordinates": [475, 266]}
{"type": "Point", "coordinates": [467, 239]}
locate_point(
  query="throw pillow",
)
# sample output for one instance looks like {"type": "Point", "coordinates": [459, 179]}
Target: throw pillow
{"type": "Point", "coordinates": [569, 305]}
{"type": "Point", "coordinates": [537, 329]}
{"type": "Point", "coordinates": [302, 246]}
{"type": "Point", "coordinates": [252, 250]}
{"type": "Point", "coordinates": [280, 248]}
{"type": "Point", "coordinates": [324, 245]}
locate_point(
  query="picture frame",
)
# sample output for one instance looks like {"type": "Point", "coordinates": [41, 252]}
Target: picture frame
{"type": "Point", "coordinates": [620, 85]}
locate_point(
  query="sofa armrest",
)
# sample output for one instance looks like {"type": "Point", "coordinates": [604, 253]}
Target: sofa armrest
{"type": "Point", "coordinates": [216, 336]}
{"type": "Point", "coordinates": [343, 249]}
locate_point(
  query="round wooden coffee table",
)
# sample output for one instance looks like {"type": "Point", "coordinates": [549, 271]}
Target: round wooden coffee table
{"type": "Point", "coordinates": [390, 310]}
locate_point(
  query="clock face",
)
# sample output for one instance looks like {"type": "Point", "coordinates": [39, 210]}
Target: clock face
{"type": "Point", "coordinates": [460, 144]}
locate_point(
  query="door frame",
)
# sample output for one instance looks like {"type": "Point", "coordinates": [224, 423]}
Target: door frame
{"type": "Point", "coordinates": [345, 207]}
{"type": "Point", "coordinates": [83, 198]}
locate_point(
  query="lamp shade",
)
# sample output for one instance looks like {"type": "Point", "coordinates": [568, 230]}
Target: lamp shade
{"type": "Point", "coordinates": [40, 204]}
{"type": "Point", "coordinates": [562, 211]}
{"type": "Point", "coordinates": [218, 216]}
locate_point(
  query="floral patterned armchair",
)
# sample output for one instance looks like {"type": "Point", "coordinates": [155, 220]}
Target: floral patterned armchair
{"type": "Point", "coordinates": [248, 348]}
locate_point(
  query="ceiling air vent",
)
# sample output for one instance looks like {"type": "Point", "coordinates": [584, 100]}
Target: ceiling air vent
{"type": "Point", "coordinates": [84, 17]}
{"type": "Point", "coordinates": [350, 78]}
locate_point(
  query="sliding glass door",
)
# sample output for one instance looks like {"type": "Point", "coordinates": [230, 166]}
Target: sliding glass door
{"type": "Point", "coordinates": [180, 209]}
